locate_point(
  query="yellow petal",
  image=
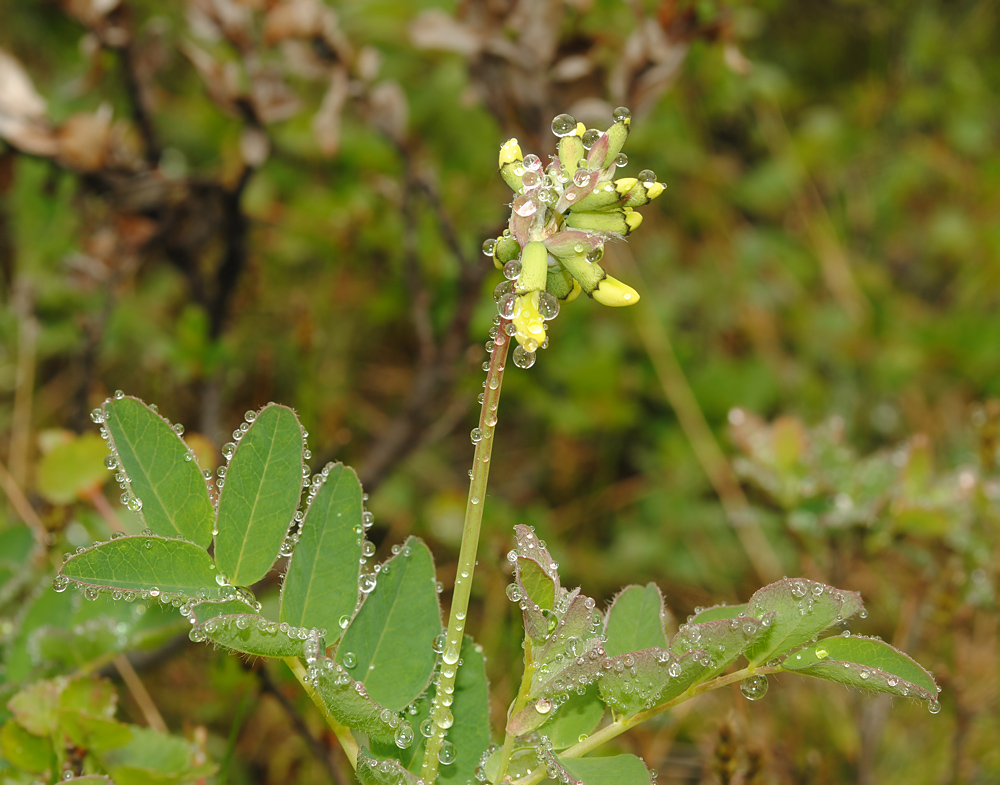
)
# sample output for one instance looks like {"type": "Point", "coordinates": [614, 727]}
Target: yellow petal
{"type": "Point", "coordinates": [613, 292]}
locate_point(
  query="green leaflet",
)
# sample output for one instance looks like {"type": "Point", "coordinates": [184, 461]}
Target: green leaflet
{"type": "Point", "coordinates": [161, 471]}
{"type": "Point", "coordinates": [71, 469]}
{"type": "Point", "coordinates": [635, 620]}
{"type": "Point", "coordinates": [390, 638]}
{"type": "Point", "coordinates": [579, 716]}
{"type": "Point", "coordinates": [719, 612]}
{"type": "Point", "coordinates": [262, 487]}
{"type": "Point", "coordinates": [802, 610]}
{"type": "Point", "coordinates": [235, 626]}
{"type": "Point", "coordinates": [143, 563]}
{"type": "Point", "coordinates": [638, 681]}
{"type": "Point", "coordinates": [321, 584]}
{"type": "Point", "coordinates": [865, 663]}
{"type": "Point", "coordinates": [152, 758]}
{"type": "Point", "coordinates": [25, 750]}
{"type": "Point", "coordinates": [612, 770]}
{"type": "Point", "coordinates": [348, 701]}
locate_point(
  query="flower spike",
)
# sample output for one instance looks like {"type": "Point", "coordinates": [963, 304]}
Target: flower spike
{"type": "Point", "coordinates": [561, 217]}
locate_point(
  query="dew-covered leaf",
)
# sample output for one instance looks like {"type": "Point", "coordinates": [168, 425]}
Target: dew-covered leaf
{"type": "Point", "coordinates": [610, 770]}
{"type": "Point", "coordinates": [571, 673]}
{"type": "Point", "coordinates": [145, 563]}
{"type": "Point", "coordinates": [390, 639]}
{"type": "Point", "coordinates": [239, 628]}
{"type": "Point", "coordinates": [321, 584]}
{"type": "Point", "coordinates": [578, 717]}
{"type": "Point", "coordinates": [349, 703]}
{"type": "Point", "coordinates": [161, 471]}
{"type": "Point", "coordinates": [637, 681]}
{"type": "Point", "coordinates": [536, 580]}
{"type": "Point", "coordinates": [718, 612]}
{"type": "Point", "coordinates": [866, 663]}
{"type": "Point", "coordinates": [72, 468]}
{"type": "Point", "coordinates": [802, 610]}
{"type": "Point", "coordinates": [723, 639]}
{"type": "Point", "coordinates": [372, 771]}
{"type": "Point", "coordinates": [568, 639]}
{"type": "Point", "coordinates": [635, 620]}
{"type": "Point", "coordinates": [538, 587]}
{"type": "Point", "coordinates": [36, 707]}
{"type": "Point", "coordinates": [262, 487]}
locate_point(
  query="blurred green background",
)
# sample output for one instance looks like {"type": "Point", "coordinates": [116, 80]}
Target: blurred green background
{"type": "Point", "coordinates": [218, 203]}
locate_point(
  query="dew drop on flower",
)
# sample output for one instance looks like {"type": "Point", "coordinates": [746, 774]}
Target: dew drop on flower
{"type": "Point", "coordinates": [489, 247]}
{"type": "Point", "coordinates": [590, 136]}
{"type": "Point", "coordinates": [531, 180]}
{"type": "Point", "coordinates": [548, 306]}
{"type": "Point", "coordinates": [595, 254]}
{"type": "Point", "coordinates": [512, 269]}
{"type": "Point", "coordinates": [522, 358]}
{"type": "Point", "coordinates": [621, 113]}
{"type": "Point", "coordinates": [564, 125]}
{"type": "Point", "coordinates": [621, 159]}
{"type": "Point", "coordinates": [532, 162]}
{"type": "Point", "coordinates": [581, 177]}
{"type": "Point", "coordinates": [525, 206]}
{"type": "Point", "coordinates": [647, 177]}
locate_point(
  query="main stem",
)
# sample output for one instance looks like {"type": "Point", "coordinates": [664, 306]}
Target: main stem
{"type": "Point", "coordinates": [441, 716]}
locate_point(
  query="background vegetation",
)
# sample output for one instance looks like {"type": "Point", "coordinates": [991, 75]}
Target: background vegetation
{"type": "Point", "coordinates": [217, 203]}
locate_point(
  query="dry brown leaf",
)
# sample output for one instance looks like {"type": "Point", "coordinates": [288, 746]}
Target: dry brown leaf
{"type": "Point", "coordinates": [435, 29]}
{"type": "Point", "coordinates": [273, 99]}
{"type": "Point", "coordinates": [326, 122]}
{"type": "Point", "coordinates": [389, 109]}
{"type": "Point", "coordinates": [84, 140]}
{"type": "Point", "coordinates": [293, 19]}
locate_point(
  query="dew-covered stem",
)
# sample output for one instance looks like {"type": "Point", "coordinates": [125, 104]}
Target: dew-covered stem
{"type": "Point", "coordinates": [482, 436]}
{"type": "Point", "coordinates": [344, 735]}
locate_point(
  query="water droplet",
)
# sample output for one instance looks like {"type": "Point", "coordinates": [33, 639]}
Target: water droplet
{"type": "Point", "coordinates": [367, 520]}
{"type": "Point", "coordinates": [621, 159]}
{"type": "Point", "coordinates": [621, 113]}
{"type": "Point", "coordinates": [532, 162]}
{"type": "Point", "coordinates": [111, 462]}
{"type": "Point", "coordinates": [404, 735]}
{"type": "Point", "coordinates": [523, 358]}
{"type": "Point", "coordinates": [476, 435]}
{"type": "Point", "coordinates": [506, 306]}
{"type": "Point", "coordinates": [119, 395]}
{"type": "Point", "coordinates": [531, 180]}
{"type": "Point", "coordinates": [548, 306]}
{"type": "Point", "coordinates": [367, 583]}
{"type": "Point", "coordinates": [427, 728]}
{"type": "Point", "coordinates": [489, 246]}
{"type": "Point", "coordinates": [595, 254]}
{"type": "Point", "coordinates": [754, 687]}
{"type": "Point", "coordinates": [97, 416]}
{"type": "Point", "coordinates": [564, 125]}
{"type": "Point", "coordinates": [59, 583]}
{"type": "Point", "coordinates": [647, 177]}
{"type": "Point", "coordinates": [228, 449]}
{"type": "Point", "coordinates": [512, 269]}
{"type": "Point", "coordinates": [447, 754]}
{"type": "Point", "coordinates": [350, 660]}
{"type": "Point", "coordinates": [178, 428]}
{"type": "Point", "coordinates": [543, 705]}
{"type": "Point", "coordinates": [134, 503]}
{"type": "Point", "coordinates": [581, 177]}
{"type": "Point", "coordinates": [368, 549]}
{"type": "Point", "coordinates": [934, 707]}
{"type": "Point", "coordinates": [525, 206]}
{"type": "Point", "coordinates": [91, 593]}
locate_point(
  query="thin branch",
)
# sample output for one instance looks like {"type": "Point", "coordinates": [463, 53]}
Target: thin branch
{"type": "Point", "coordinates": [140, 694]}
{"type": "Point", "coordinates": [24, 509]}
{"type": "Point", "coordinates": [136, 93]}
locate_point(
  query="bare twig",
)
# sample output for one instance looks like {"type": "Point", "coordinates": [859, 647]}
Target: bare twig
{"type": "Point", "coordinates": [24, 509]}
{"type": "Point", "coordinates": [140, 694]}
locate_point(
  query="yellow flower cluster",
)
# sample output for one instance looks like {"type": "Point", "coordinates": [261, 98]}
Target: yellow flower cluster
{"type": "Point", "coordinates": [560, 219]}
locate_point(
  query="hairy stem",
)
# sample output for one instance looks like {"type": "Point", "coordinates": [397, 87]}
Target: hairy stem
{"type": "Point", "coordinates": [440, 713]}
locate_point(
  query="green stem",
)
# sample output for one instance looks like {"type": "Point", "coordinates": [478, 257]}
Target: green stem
{"type": "Point", "coordinates": [516, 707]}
{"type": "Point", "coordinates": [344, 736]}
{"type": "Point", "coordinates": [440, 713]}
{"type": "Point", "coordinates": [622, 724]}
